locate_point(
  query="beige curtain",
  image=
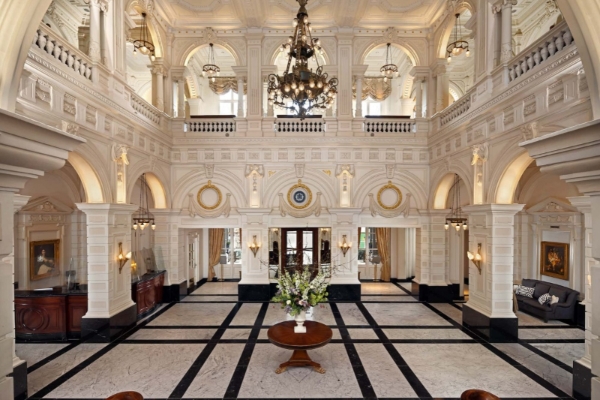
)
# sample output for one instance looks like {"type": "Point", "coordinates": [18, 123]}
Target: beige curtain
{"type": "Point", "coordinates": [374, 88]}
{"type": "Point", "coordinates": [215, 244]}
{"type": "Point", "coordinates": [383, 245]}
{"type": "Point", "coordinates": [224, 85]}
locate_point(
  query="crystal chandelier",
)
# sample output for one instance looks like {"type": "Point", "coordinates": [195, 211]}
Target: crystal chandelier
{"type": "Point", "coordinates": [389, 70]}
{"type": "Point", "coordinates": [142, 217]}
{"type": "Point", "coordinates": [307, 90]}
{"type": "Point", "coordinates": [455, 218]}
{"type": "Point", "coordinates": [144, 43]}
{"type": "Point", "coordinates": [211, 70]}
{"type": "Point", "coordinates": [458, 46]}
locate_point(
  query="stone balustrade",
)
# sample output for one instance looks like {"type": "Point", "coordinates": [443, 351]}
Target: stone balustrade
{"type": "Point", "coordinates": [555, 41]}
{"type": "Point", "coordinates": [389, 125]}
{"type": "Point", "coordinates": [214, 124]}
{"type": "Point", "coordinates": [455, 110]}
{"type": "Point", "coordinates": [144, 108]}
{"type": "Point", "coordinates": [63, 52]}
{"type": "Point", "coordinates": [310, 125]}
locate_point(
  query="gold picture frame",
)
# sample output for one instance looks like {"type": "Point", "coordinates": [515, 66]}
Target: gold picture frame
{"type": "Point", "coordinates": [209, 186]}
{"type": "Point", "coordinates": [393, 187]}
{"type": "Point", "coordinates": [299, 185]}
{"type": "Point", "coordinates": [554, 260]}
{"type": "Point", "coordinates": [44, 259]}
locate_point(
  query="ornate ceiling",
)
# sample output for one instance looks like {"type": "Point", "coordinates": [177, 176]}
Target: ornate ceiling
{"type": "Point", "coordinates": [277, 14]}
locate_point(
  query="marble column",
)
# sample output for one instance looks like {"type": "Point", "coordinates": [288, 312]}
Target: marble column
{"type": "Point", "coordinates": [490, 307]}
{"type": "Point", "coordinates": [419, 96]}
{"type": "Point", "coordinates": [105, 29]}
{"type": "Point", "coordinates": [359, 112]}
{"type": "Point", "coordinates": [110, 307]}
{"type": "Point", "coordinates": [158, 90]}
{"type": "Point", "coordinates": [181, 97]}
{"type": "Point", "coordinates": [345, 285]}
{"type": "Point", "coordinates": [496, 33]}
{"type": "Point", "coordinates": [240, 88]}
{"type": "Point", "coordinates": [345, 40]}
{"type": "Point", "coordinates": [432, 274]}
{"type": "Point", "coordinates": [254, 285]}
{"type": "Point", "coordinates": [254, 111]}
{"type": "Point", "coordinates": [95, 33]}
{"type": "Point", "coordinates": [166, 249]}
{"type": "Point", "coordinates": [507, 51]}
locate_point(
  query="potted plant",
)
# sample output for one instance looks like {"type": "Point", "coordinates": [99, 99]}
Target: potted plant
{"type": "Point", "coordinates": [299, 291]}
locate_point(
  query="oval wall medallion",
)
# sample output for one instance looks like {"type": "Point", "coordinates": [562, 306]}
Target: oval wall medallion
{"type": "Point", "coordinates": [209, 196]}
{"type": "Point", "coordinates": [389, 196]}
{"type": "Point", "coordinates": [299, 196]}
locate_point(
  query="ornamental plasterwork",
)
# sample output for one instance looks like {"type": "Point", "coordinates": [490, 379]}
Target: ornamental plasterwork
{"type": "Point", "coordinates": [213, 6]}
{"type": "Point", "coordinates": [416, 46]}
{"type": "Point", "coordinates": [183, 46]}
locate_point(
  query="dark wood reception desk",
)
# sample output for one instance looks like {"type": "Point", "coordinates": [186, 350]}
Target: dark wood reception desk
{"type": "Point", "coordinates": [147, 293]}
{"type": "Point", "coordinates": [49, 315]}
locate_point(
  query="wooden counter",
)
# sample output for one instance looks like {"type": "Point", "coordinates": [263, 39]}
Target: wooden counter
{"type": "Point", "coordinates": [147, 293]}
{"type": "Point", "coordinates": [49, 315]}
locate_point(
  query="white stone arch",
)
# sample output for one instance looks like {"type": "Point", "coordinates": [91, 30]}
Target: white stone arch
{"type": "Point", "coordinates": [403, 45]}
{"type": "Point", "coordinates": [447, 26]}
{"type": "Point", "coordinates": [194, 180]}
{"type": "Point", "coordinates": [95, 190]}
{"type": "Point", "coordinates": [155, 178]}
{"type": "Point", "coordinates": [195, 45]}
{"type": "Point", "coordinates": [315, 180]}
{"type": "Point", "coordinates": [405, 180]}
{"type": "Point", "coordinates": [442, 185]}
{"type": "Point", "coordinates": [504, 183]}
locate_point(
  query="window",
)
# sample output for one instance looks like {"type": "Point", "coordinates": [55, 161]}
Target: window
{"type": "Point", "coordinates": [232, 245]}
{"type": "Point", "coordinates": [228, 103]}
{"type": "Point", "coordinates": [367, 245]}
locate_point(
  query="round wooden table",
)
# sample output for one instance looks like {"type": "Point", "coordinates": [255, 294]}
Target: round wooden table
{"type": "Point", "coordinates": [283, 335]}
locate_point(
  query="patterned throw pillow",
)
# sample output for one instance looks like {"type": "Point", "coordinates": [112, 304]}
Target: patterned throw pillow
{"type": "Point", "coordinates": [525, 291]}
{"type": "Point", "coordinates": [554, 300]}
{"type": "Point", "coordinates": [545, 299]}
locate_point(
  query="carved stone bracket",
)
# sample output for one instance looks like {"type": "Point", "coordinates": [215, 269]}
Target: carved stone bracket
{"type": "Point", "coordinates": [254, 169]}
{"type": "Point", "coordinates": [340, 168]}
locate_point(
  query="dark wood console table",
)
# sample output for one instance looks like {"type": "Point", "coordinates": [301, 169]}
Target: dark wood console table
{"type": "Point", "coordinates": [147, 293]}
{"type": "Point", "coordinates": [283, 335]}
{"type": "Point", "coordinates": [49, 315]}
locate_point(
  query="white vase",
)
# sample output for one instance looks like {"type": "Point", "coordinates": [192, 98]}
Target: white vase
{"type": "Point", "coordinates": [300, 318]}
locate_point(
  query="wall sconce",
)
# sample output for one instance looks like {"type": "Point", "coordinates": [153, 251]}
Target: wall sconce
{"type": "Point", "coordinates": [122, 259]}
{"type": "Point", "coordinates": [476, 258]}
{"type": "Point", "coordinates": [345, 246]}
{"type": "Point", "coordinates": [254, 247]}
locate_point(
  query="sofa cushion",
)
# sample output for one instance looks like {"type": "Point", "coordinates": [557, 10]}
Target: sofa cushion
{"type": "Point", "coordinates": [553, 300]}
{"type": "Point", "coordinates": [560, 293]}
{"type": "Point", "coordinates": [540, 289]}
{"type": "Point", "coordinates": [529, 282]}
{"type": "Point", "coordinates": [546, 298]}
{"type": "Point", "coordinates": [533, 303]}
{"type": "Point", "coordinates": [525, 291]}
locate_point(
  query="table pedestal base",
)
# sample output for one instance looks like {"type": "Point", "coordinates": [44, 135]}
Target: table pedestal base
{"type": "Point", "coordinates": [300, 358]}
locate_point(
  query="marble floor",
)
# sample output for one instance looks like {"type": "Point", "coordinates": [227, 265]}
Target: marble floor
{"type": "Point", "coordinates": [388, 346]}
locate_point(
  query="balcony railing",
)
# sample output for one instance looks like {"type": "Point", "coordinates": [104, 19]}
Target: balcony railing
{"type": "Point", "coordinates": [143, 107]}
{"type": "Point", "coordinates": [390, 125]}
{"type": "Point", "coordinates": [211, 124]}
{"type": "Point", "coordinates": [550, 44]}
{"type": "Point", "coordinates": [457, 109]}
{"type": "Point", "coordinates": [310, 125]}
{"type": "Point", "coordinates": [63, 52]}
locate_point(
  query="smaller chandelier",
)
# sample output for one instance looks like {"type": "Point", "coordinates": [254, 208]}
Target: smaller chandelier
{"type": "Point", "coordinates": [389, 70]}
{"type": "Point", "coordinates": [211, 70]}
{"type": "Point", "coordinates": [455, 218]}
{"type": "Point", "coordinates": [142, 218]}
{"type": "Point", "coordinates": [458, 46]}
{"type": "Point", "coordinates": [144, 43]}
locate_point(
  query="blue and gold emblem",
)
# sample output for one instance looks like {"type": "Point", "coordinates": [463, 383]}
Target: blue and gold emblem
{"type": "Point", "coordinates": [299, 196]}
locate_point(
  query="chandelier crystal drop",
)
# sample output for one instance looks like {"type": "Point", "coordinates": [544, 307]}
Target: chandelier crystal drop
{"type": "Point", "coordinates": [211, 70]}
{"type": "Point", "coordinates": [142, 217]}
{"type": "Point", "coordinates": [304, 88]}
{"type": "Point", "coordinates": [144, 43]}
{"type": "Point", "coordinates": [457, 47]}
{"type": "Point", "coordinates": [456, 219]}
{"type": "Point", "coordinates": [389, 70]}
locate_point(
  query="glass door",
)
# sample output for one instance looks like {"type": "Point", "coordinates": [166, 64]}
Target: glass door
{"type": "Point", "coordinates": [300, 248]}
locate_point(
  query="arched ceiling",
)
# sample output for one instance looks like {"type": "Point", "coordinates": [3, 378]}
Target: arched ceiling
{"type": "Point", "coordinates": [232, 14]}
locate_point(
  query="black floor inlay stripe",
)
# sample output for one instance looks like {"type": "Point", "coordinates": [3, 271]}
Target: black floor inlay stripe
{"type": "Point", "coordinates": [191, 373]}
{"type": "Point", "coordinates": [240, 370]}
{"type": "Point", "coordinates": [52, 356]}
{"type": "Point", "coordinates": [546, 356]}
{"type": "Point", "coordinates": [408, 373]}
{"type": "Point", "coordinates": [362, 378]}
{"type": "Point", "coordinates": [84, 364]}
{"type": "Point", "coordinates": [508, 359]}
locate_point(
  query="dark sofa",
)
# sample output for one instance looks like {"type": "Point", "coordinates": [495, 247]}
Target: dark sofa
{"type": "Point", "coordinates": [564, 309]}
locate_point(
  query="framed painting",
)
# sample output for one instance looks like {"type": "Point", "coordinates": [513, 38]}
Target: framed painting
{"type": "Point", "coordinates": [554, 260]}
{"type": "Point", "coordinates": [44, 259]}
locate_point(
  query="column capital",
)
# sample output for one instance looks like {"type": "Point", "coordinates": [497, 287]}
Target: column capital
{"type": "Point", "coordinates": [159, 69]}
{"type": "Point", "coordinates": [420, 73]}
{"type": "Point", "coordinates": [106, 208]}
{"type": "Point", "coordinates": [240, 72]}
{"type": "Point", "coordinates": [507, 209]}
{"type": "Point", "coordinates": [359, 70]}
{"type": "Point", "coordinates": [177, 73]}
